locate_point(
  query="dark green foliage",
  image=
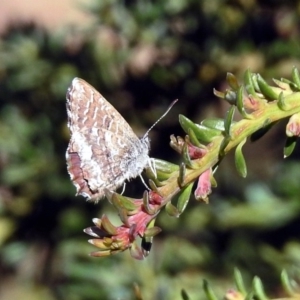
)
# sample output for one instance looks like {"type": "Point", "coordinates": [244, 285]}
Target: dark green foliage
{"type": "Point", "coordinates": [251, 223]}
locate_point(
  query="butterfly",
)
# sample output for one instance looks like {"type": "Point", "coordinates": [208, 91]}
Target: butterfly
{"type": "Point", "coordinates": [103, 151]}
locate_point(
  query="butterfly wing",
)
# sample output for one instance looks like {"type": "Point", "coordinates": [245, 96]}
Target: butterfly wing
{"type": "Point", "coordinates": [103, 148]}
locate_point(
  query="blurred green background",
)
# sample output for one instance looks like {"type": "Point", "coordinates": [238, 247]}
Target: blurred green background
{"type": "Point", "coordinates": [142, 55]}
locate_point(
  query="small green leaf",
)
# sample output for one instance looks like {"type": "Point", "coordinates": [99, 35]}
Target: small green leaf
{"type": "Point", "coordinates": [186, 156]}
{"type": "Point", "coordinates": [254, 82]}
{"type": "Point", "coordinates": [152, 231]}
{"type": "Point", "coordinates": [249, 296]}
{"type": "Point", "coordinates": [240, 162]}
{"type": "Point", "coordinates": [163, 170]}
{"type": "Point", "coordinates": [240, 104]}
{"type": "Point", "coordinates": [123, 214]}
{"type": "Point", "coordinates": [184, 295]}
{"type": "Point", "coordinates": [289, 146]}
{"type": "Point", "coordinates": [146, 201]}
{"type": "Point", "coordinates": [181, 176]}
{"type": "Point", "coordinates": [223, 145]}
{"type": "Point", "coordinates": [291, 84]}
{"type": "Point", "coordinates": [239, 282]}
{"type": "Point", "coordinates": [108, 226]}
{"type": "Point", "coordinates": [218, 93]}
{"type": "Point", "coordinates": [266, 89]}
{"type": "Point", "coordinates": [228, 120]}
{"type": "Point", "coordinates": [281, 102]}
{"type": "Point", "coordinates": [296, 77]}
{"type": "Point", "coordinates": [214, 123]}
{"type": "Point", "coordinates": [160, 177]}
{"type": "Point", "coordinates": [259, 289]}
{"type": "Point", "coordinates": [137, 292]}
{"type": "Point", "coordinates": [193, 138]}
{"type": "Point", "coordinates": [153, 186]}
{"type": "Point", "coordinates": [286, 283]}
{"type": "Point", "coordinates": [120, 201]}
{"type": "Point", "coordinates": [184, 197]}
{"type": "Point", "coordinates": [232, 81]}
{"type": "Point", "coordinates": [213, 181]}
{"type": "Point", "coordinates": [203, 134]}
{"type": "Point", "coordinates": [207, 134]}
{"type": "Point", "coordinates": [165, 166]}
{"type": "Point", "coordinates": [172, 210]}
{"type": "Point", "coordinates": [208, 291]}
{"type": "Point", "coordinates": [249, 83]}
{"type": "Point", "coordinates": [283, 85]}
{"type": "Point", "coordinates": [146, 204]}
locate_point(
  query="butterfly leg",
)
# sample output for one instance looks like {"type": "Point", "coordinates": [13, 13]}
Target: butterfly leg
{"type": "Point", "coordinates": [144, 183]}
{"type": "Point", "coordinates": [123, 189]}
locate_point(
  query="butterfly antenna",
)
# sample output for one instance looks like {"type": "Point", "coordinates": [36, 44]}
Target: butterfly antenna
{"type": "Point", "coordinates": [165, 113]}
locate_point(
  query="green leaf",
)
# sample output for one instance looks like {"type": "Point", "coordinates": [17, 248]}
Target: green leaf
{"type": "Point", "coordinates": [283, 85]}
{"type": "Point", "coordinates": [213, 181]}
{"type": "Point", "coordinates": [248, 82]}
{"type": "Point", "coordinates": [291, 84]}
{"type": "Point", "coordinates": [146, 204]}
{"type": "Point", "coordinates": [186, 156]}
{"type": "Point", "coordinates": [163, 170]}
{"type": "Point", "coordinates": [218, 94]}
{"type": "Point", "coordinates": [228, 120]}
{"type": "Point", "coordinates": [296, 77]}
{"type": "Point", "coordinates": [193, 138]}
{"type": "Point", "coordinates": [214, 123]}
{"type": "Point", "coordinates": [203, 134]}
{"type": "Point", "coordinates": [255, 83]}
{"type": "Point", "coordinates": [281, 102]}
{"type": "Point", "coordinates": [108, 226]}
{"type": "Point", "coordinates": [249, 296]}
{"type": "Point", "coordinates": [240, 162]}
{"type": "Point", "coordinates": [172, 210]}
{"type": "Point", "coordinates": [289, 146]}
{"type": "Point", "coordinates": [239, 282]}
{"type": "Point", "coordinates": [223, 145]}
{"type": "Point", "coordinates": [123, 214]}
{"type": "Point", "coordinates": [208, 291]}
{"type": "Point", "coordinates": [184, 295]}
{"type": "Point", "coordinates": [120, 201]}
{"type": "Point", "coordinates": [259, 289]}
{"type": "Point", "coordinates": [152, 231]}
{"type": "Point", "coordinates": [266, 89]}
{"type": "Point", "coordinates": [181, 176]}
{"type": "Point", "coordinates": [153, 186]}
{"type": "Point", "coordinates": [286, 283]}
{"type": "Point", "coordinates": [184, 197]}
{"type": "Point", "coordinates": [240, 104]}
{"type": "Point", "coordinates": [232, 81]}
